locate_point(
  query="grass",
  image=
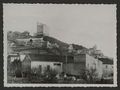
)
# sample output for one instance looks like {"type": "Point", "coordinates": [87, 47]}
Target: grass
{"type": "Point", "coordinates": [12, 79]}
{"type": "Point", "coordinates": [21, 80]}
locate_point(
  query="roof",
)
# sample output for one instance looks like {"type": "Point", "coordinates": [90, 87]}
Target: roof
{"type": "Point", "coordinates": [38, 57]}
{"type": "Point", "coordinates": [13, 54]}
{"type": "Point", "coordinates": [50, 58]}
{"type": "Point", "coordinates": [106, 60]}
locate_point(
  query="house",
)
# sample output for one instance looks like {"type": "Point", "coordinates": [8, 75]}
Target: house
{"type": "Point", "coordinates": [39, 63]}
{"type": "Point", "coordinates": [38, 42]}
{"type": "Point", "coordinates": [80, 63]}
{"type": "Point", "coordinates": [94, 65]}
{"type": "Point", "coordinates": [95, 52]}
{"type": "Point", "coordinates": [107, 67]}
{"type": "Point", "coordinates": [13, 56]}
{"type": "Point", "coordinates": [13, 63]}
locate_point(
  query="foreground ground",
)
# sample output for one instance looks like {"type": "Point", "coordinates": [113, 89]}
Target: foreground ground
{"type": "Point", "coordinates": [12, 79]}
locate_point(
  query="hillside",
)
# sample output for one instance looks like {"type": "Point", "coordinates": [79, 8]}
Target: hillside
{"type": "Point", "coordinates": [63, 47]}
{"type": "Point", "coordinates": [78, 47]}
{"type": "Point", "coordinates": [54, 40]}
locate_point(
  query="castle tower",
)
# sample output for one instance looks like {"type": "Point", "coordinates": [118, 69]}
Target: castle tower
{"type": "Point", "coordinates": [39, 28]}
{"type": "Point", "coordinates": [42, 29]}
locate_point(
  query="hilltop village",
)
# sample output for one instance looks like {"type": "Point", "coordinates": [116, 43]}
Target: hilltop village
{"type": "Point", "coordinates": [42, 53]}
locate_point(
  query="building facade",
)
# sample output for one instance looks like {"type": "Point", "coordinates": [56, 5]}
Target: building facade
{"type": "Point", "coordinates": [41, 63]}
{"type": "Point", "coordinates": [107, 67]}
{"type": "Point", "coordinates": [81, 63]}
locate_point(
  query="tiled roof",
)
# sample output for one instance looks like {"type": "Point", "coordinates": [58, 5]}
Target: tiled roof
{"type": "Point", "coordinates": [51, 58]}
{"type": "Point", "coordinates": [38, 57]}
{"type": "Point", "coordinates": [106, 60]}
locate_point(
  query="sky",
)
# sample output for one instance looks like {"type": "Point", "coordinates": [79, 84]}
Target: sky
{"type": "Point", "coordinates": [83, 24]}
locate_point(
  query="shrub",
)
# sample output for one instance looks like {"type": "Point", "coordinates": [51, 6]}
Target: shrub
{"type": "Point", "coordinates": [50, 76]}
{"type": "Point", "coordinates": [90, 75]}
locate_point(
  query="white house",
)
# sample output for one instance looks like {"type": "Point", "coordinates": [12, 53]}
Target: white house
{"type": "Point", "coordinates": [81, 63]}
{"type": "Point", "coordinates": [107, 67]}
{"type": "Point", "coordinates": [37, 62]}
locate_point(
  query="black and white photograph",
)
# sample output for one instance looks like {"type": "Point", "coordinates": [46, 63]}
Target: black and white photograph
{"type": "Point", "coordinates": [59, 45]}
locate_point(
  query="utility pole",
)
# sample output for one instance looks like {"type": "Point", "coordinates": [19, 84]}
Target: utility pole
{"type": "Point", "coordinates": [66, 62]}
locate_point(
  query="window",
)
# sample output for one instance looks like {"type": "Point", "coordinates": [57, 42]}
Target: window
{"type": "Point", "coordinates": [31, 40]}
{"type": "Point", "coordinates": [40, 68]}
{"type": "Point", "coordinates": [57, 64]}
{"type": "Point", "coordinates": [88, 65]}
{"type": "Point", "coordinates": [48, 67]}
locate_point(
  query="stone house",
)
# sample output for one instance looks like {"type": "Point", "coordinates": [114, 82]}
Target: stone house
{"type": "Point", "coordinates": [107, 67]}
{"type": "Point", "coordinates": [82, 62]}
{"type": "Point", "coordinates": [39, 63]}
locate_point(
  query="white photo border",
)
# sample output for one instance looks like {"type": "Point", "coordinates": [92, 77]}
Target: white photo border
{"type": "Point", "coordinates": [53, 85]}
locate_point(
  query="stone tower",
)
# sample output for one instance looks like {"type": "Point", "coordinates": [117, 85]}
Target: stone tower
{"type": "Point", "coordinates": [42, 29]}
{"type": "Point", "coordinates": [39, 28]}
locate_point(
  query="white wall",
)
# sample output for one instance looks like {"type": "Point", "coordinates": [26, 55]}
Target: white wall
{"type": "Point", "coordinates": [107, 70]}
{"type": "Point", "coordinates": [13, 58]}
{"type": "Point", "coordinates": [36, 64]}
{"type": "Point", "coordinates": [91, 62]}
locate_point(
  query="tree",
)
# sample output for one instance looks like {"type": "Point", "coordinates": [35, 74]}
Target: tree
{"type": "Point", "coordinates": [50, 76]}
{"type": "Point", "coordinates": [12, 36]}
{"type": "Point", "coordinates": [90, 75]}
{"type": "Point", "coordinates": [9, 35]}
{"type": "Point", "coordinates": [25, 34]}
{"type": "Point", "coordinates": [17, 65]}
{"type": "Point", "coordinates": [95, 52]}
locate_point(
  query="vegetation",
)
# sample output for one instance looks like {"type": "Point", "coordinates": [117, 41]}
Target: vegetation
{"type": "Point", "coordinates": [90, 75]}
{"type": "Point", "coordinates": [14, 68]}
{"type": "Point", "coordinates": [49, 76]}
{"type": "Point", "coordinates": [12, 36]}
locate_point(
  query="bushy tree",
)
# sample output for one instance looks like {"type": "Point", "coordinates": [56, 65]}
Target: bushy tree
{"type": "Point", "coordinates": [25, 34]}
{"type": "Point", "coordinates": [15, 35]}
{"type": "Point", "coordinates": [50, 76]}
{"type": "Point", "coordinates": [16, 66]}
{"type": "Point", "coordinates": [90, 75]}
